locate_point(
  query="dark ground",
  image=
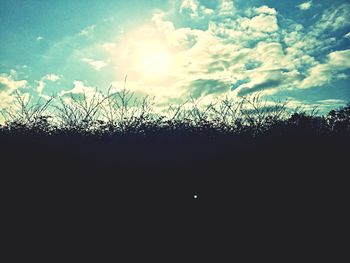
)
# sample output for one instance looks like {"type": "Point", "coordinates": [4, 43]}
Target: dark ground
{"type": "Point", "coordinates": [275, 199]}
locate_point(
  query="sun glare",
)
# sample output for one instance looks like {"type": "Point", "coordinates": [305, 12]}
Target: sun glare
{"type": "Point", "coordinates": [146, 56]}
{"type": "Point", "coordinates": [152, 60]}
{"type": "Point", "coordinates": [155, 62]}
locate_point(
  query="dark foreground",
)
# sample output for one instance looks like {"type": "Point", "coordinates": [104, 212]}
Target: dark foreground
{"type": "Point", "coordinates": [273, 198]}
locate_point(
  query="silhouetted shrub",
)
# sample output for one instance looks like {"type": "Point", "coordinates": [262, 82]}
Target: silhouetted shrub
{"type": "Point", "coordinates": [339, 120]}
{"type": "Point", "coordinates": [120, 113]}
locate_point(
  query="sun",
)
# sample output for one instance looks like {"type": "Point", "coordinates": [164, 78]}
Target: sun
{"type": "Point", "coordinates": [153, 60]}
{"type": "Point", "coordinates": [156, 62]}
{"type": "Point", "coordinates": [146, 56]}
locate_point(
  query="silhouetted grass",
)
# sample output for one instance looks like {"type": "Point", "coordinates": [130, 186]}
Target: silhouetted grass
{"type": "Point", "coordinates": [121, 114]}
{"type": "Point", "coordinates": [103, 131]}
{"type": "Point", "coordinates": [110, 164]}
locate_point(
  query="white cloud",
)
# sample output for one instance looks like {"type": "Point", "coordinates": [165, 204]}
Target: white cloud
{"type": "Point", "coordinates": [305, 6]}
{"type": "Point", "coordinates": [332, 102]}
{"type": "Point", "coordinates": [321, 106]}
{"type": "Point", "coordinates": [87, 31]}
{"type": "Point", "coordinates": [317, 39]}
{"type": "Point", "coordinates": [41, 86]}
{"type": "Point", "coordinates": [325, 106]}
{"type": "Point", "coordinates": [206, 57]}
{"type": "Point", "coordinates": [42, 82]}
{"type": "Point", "coordinates": [340, 60]}
{"type": "Point", "coordinates": [323, 73]}
{"type": "Point", "coordinates": [46, 97]}
{"type": "Point", "coordinates": [52, 77]}
{"type": "Point", "coordinates": [79, 91]}
{"type": "Point", "coordinates": [262, 23]}
{"type": "Point", "coordinates": [39, 38]}
{"type": "Point", "coordinates": [265, 10]}
{"type": "Point", "coordinates": [194, 9]}
{"type": "Point", "coordinates": [8, 84]}
{"type": "Point", "coordinates": [226, 8]}
{"type": "Point", "coordinates": [78, 88]}
{"type": "Point", "coordinates": [96, 64]}
{"type": "Point", "coordinates": [231, 55]}
{"type": "Point", "coordinates": [333, 19]}
{"type": "Point", "coordinates": [190, 6]}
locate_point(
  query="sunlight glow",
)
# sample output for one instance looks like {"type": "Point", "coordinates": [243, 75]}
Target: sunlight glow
{"type": "Point", "coordinates": [147, 57]}
{"type": "Point", "coordinates": [155, 62]}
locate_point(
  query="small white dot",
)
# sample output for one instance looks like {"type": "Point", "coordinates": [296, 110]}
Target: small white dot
{"type": "Point", "coordinates": [195, 196]}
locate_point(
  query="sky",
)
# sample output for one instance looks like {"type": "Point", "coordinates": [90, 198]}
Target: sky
{"type": "Point", "coordinates": [173, 50]}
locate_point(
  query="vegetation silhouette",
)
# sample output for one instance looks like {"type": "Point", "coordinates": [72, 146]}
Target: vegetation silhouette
{"type": "Point", "coordinates": [119, 124]}
{"type": "Point", "coordinates": [110, 161]}
{"type": "Point", "coordinates": [120, 113]}
{"type": "Point", "coordinates": [117, 133]}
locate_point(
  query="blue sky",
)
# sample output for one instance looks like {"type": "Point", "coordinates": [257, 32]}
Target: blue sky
{"type": "Point", "coordinates": [286, 50]}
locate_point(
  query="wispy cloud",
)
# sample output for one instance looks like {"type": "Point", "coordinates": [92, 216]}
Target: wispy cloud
{"type": "Point", "coordinates": [43, 81]}
{"type": "Point", "coordinates": [80, 91]}
{"type": "Point", "coordinates": [305, 6]}
{"type": "Point", "coordinates": [323, 73]}
{"type": "Point", "coordinates": [95, 64]}
{"type": "Point", "coordinates": [212, 49]}
{"type": "Point", "coordinates": [190, 6]}
{"type": "Point", "coordinates": [226, 8]}
{"type": "Point", "coordinates": [87, 31]}
{"type": "Point", "coordinates": [9, 84]}
{"type": "Point", "coordinates": [321, 106]}
{"type": "Point", "coordinates": [240, 54]}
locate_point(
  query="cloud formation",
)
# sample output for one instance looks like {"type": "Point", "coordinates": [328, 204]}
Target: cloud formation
{"type": "Point", "coordinates": [305, 6]}
{"type": "Point", "coordinates": [209, 49]}
{"type": "Point", "coordinates": [323, 73]}
{"type": "Point", "coordinates": [8, 85]}
{"type": "Point", "coordinates": [79, 87]}
{"type": "Point", "coordinates": [232, 52]}
{"type": "Point", "coordinates": [43, 81]}
{"type": "Point", "coordinates": [95, 64]}
{"type": "Point", "coordinates": [87, 31]}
